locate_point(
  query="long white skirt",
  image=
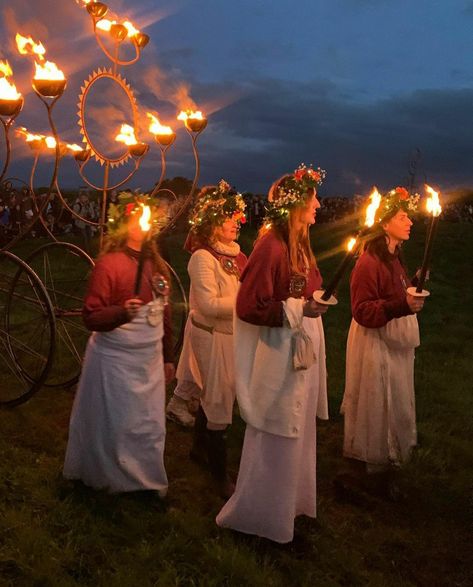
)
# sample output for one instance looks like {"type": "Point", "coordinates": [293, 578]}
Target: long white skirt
{"type": "Point", "coordinates": [379, 400]}
{"type": "Point", "coordinates": [277, 477]}
{"type": "Point", "coordinates": [117, 428]}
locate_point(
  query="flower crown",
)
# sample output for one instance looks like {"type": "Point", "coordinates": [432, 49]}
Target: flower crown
{"type": "Point", "coordinates": [129, 204]}
{"type": "Point", "coordinates": [217, 205]}
{"type": "Point", "coordinates": [395, 200]}
{"type": "Point", "coordinates": [293, 191]}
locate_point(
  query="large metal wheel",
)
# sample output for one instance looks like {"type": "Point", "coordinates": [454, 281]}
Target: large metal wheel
{"type": "Point", "coordinates": [64, 269]}
{"type": "Point", "coordinates": [27, 331]}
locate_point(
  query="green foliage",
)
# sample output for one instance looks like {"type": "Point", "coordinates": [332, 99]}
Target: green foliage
{"type": "Point", "coordinates": [58, 534]}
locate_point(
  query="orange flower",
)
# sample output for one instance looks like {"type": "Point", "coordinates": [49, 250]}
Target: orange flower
{"type": "Point", "coordinates": [403, 193]}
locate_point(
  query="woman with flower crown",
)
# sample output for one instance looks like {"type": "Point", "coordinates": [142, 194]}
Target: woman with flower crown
{"type": "Point", "coordinates": [117, 428]}
{"type": "Point", "coordinates": [379, 402]}
{"type": "Point", "coordinates": [280, 358]}
{"type": "Point", "coordinates": [206, 361]}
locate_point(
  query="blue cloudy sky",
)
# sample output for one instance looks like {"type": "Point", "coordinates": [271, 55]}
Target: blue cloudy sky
{"type": "Point", "coordinates": [354, 86]}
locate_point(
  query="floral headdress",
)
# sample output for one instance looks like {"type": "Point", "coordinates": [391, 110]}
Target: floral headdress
{"type": "Point", "coordinates": [395, 200]}
{"type": "Point", "coordinates": [216, 206]}
{"type": "Point", "coordinates": [293, 191]}
{"type": "Point", "coordinates": [128, 205]}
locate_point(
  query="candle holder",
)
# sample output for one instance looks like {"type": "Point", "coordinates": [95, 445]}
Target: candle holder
{"type": "Point", "coordinates": [138, 149]}
{"type": "Point", "coordinates": [119, 32]}
{"type": "Point", "coordinates": [318, 297]}
{"type": "Point", "coordinates": [11, 108]}
{"type": "Point", "coordinates": [141, 39]}
{"type": "Point", "coordinates": [412, 291]}
{"type": "Point", "coordinates": [83, 155]}
{"type": "Point", "coordinates": [165, 140]}
{"type": "Point", "coordinates": [49, 88]}
{"type": "Point", "coordinates": [97, 9]}
{"type": "Point", "coordinates": [196, 125]}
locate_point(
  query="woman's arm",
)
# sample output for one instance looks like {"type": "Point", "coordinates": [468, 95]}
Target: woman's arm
{"type": "Point", "coordinates": [98, 313]}
{"type": "Point", "coordinates": [204, 286]}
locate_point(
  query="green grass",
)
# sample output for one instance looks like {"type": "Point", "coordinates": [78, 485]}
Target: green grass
{"type": "Point", "coordinates": [54, 533]}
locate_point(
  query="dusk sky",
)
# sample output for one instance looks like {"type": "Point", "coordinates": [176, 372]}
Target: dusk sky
{"type": "Point", "coordinates": [354, 86]}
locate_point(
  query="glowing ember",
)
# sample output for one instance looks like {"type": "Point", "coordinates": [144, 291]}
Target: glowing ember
{"type": "Point", "coordinates": [105, 25]}
{"type": "Point", "coordinates": [26, 46]}
{"type": "Point", "coordinates": [351, 243]}
{"type": "Point", "coordinates": [48, 71]}
{"type": "Point", "coordinates": [375, 198]}
{"type": "Point", "coordinates": [190, 114]}
{"type": "Point", "coordinates": [156, 128]}
{"type": "Point", "coordinates": [5, 68]}
{"type": "Point", "coordinates": [433, 203]}
{"type": "Point", "coordinates": [132, 31]}
{"type": "Point", "coordinates": [145, 223]}
{"type": "Point", "coordinates": [126, 135]}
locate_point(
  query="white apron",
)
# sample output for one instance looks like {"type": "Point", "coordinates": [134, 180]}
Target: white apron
{"type": "Point", "coordinates": [379, 400]}
{"type": "Point", "coordinates": [117, 428]}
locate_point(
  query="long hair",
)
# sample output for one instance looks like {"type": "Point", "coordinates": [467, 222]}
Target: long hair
{"type": "Point", "coordinates": [116, 242]}
{"type": "Point", "coordinates": [377, 244]}
{"type": "Point", "coordinates": [296, 239]}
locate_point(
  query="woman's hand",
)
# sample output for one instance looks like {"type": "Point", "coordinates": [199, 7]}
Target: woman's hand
{"type": "Point", "coordinates": [415, 303]}
{"type": "Point", "coordinates": [313, 309]}
{"type": "Point", "coordinates": [132, 307]}
{"type": "Point", "coordinates": [169, 372]}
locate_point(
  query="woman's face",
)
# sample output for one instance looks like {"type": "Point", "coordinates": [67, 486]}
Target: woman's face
{"type": "Point", "coordinates": [134, 229]}
{"type": "Point", "coordinates": [398, 228]}
{"type": "Point", "coordinates": [309, 213]}
{"type": "Point", "coordinates": [227, 232]}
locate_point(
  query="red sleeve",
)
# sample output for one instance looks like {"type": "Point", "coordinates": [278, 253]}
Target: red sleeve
{"type": "Point", "coordinates": [168, 344]}
{"type": "Point", "coordinates": [99, 313]}
{"type": "Point", "coordinates": [370, 306]}
{"type": "Point", "coordinates": [255, 301]}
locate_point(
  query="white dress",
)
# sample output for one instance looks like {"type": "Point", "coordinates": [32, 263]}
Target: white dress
{"type": "Point", "coordinates": [277, 476]}
{"type": "Point", "coordinates": [117, 428]}
{"type": "Point", "coordinates": [379, 399]}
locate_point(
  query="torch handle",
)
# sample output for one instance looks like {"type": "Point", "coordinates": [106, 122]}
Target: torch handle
{"type": "Point", "coordinates": [338, 275]}
{"type": "Point", "coordinates": [139, 274]}
{"type": "Point", "coordinates": [427, 253]}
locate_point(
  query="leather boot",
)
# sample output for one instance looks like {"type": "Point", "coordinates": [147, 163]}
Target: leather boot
{"type": "Point", "coordinates": [217, 456]}
{"type": "Point", "coordinates": [199, 450]}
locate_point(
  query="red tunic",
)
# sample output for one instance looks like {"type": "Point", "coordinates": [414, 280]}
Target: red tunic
{"type": "Point", "coordinates": [112, 283]}
{"type": "Point", "coordinates": [265, 283]}
{"type": "Point", "coordinates": [378, 294]}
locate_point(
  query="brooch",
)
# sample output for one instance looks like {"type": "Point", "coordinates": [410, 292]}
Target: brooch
{"type": "Point", "coordinates": [229, 266]}
{"type": "Point", "coordinates": [297, 284]}
{"type": "Point", "coordinates": [160, 285]}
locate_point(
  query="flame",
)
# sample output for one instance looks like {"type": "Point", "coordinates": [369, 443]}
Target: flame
{"type": "Point", "coordinates": [50, 142]}
{"type": "Point", "coordinates": [26, 46]}
{"type": "Point", "coordinates": [351, 243]}
{"type": "Point", "coordinates": [156, 128]}
{"type": "Point", "coordinates": [145, 223]}
{"type": "Point", "coordinates": [74, 148]}
{"type": "Point", "coordinates": [48, 71]}
{"type": "Point", "coordinates": [132, 30]}
{"type": "Point", "coordinates": [433, 203]}
{"type": "Point", "coordinates": [85, 2]}
{"type": "Point", "coordinates": [184, 115]}
{"type": "Point", "coordinates": [126, 135]}
{"type": "Point", "coordinates": [375, 198]}
{"type": "Point", "coordinates": [104, 24]}
{"type": "Point", "coordinates": [8, 91]}
{"type": "Point", "coordinates": [5, 68]}
{"type": "Point", "coordinates": [28, 136]}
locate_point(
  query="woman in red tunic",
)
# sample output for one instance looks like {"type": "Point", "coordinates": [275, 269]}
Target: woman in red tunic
{"type": "Point", "coordinates": [379, 402]}
{"type": "Point", "coordinates": [117, 428]}
{"type": "Point", "coordinates": [280, 367]}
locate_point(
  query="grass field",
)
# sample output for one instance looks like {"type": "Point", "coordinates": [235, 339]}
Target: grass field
{"type": "Point", "coordinates": [53, 533]}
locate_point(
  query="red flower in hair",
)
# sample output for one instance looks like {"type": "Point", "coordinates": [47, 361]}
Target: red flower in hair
{"type": "Point", "coordinates": [299, 174]}
{"type": "Point", "coordinates": [243, 219]}
{"type": "Point", "coordinates": [129, 208]}
{"type": "Point", "coordinates": [403, 193]}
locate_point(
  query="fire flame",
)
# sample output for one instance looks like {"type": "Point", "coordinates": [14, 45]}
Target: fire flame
{"type": "Point", "coordinates": [74, 148]}
{"type": "Point", "coordinates": [351, 243]}
{"type": "Point", "coordinates": [375, 198]}
{"type": "Point", "coordinates": [8, 90]}
{"type": "Point", "coordinates": [126, 135]}
{"type": "Point", "coordinates": [26, 46]}
{"type": "Point", "coordinates": [433, 203]}
{"type": "Point", "coordinates": [104, 24]}
{"type": "Point", "coordinates": [132, 30]}
{"type": "Point", "coordinates": [144, 221]}
{"type": "Point", "coordinates": [28, 136]}
{"type": "Point", "coordinates": [184, 115]}
{"type": "Point", "coordinates": [48, 71]}
{"type": "Point", "coordinates": [156, 128]}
